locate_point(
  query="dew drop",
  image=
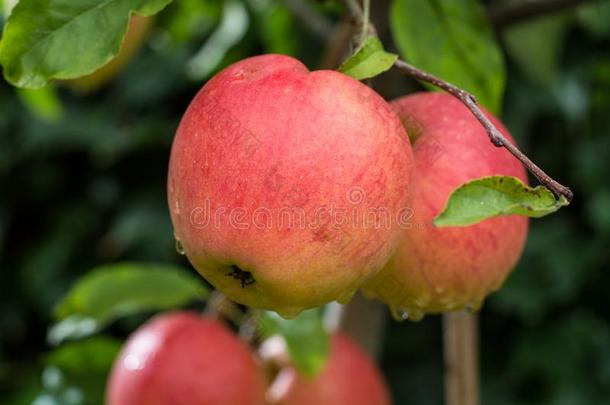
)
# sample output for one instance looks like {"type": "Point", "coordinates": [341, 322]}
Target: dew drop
{"type": "Point", "coordinates": [179, 248]}
{"type": "Point", "coordinates": [416, 316]}
{"type": "Point", "coordinates": [411, 314]}
{"type": "Point", "coordinates": [400, 314]}
{"type": "Point", "coordinates": [474, 306]}
{"type": "Point", "coordinates": [289, 313]}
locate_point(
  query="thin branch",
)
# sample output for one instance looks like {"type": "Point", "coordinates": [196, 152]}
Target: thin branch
{"type": "Point", "coordinates": [470, 101]}
{"type": "Point", "coordinates": [461, 352]}
{"type": "Point", "coordinates": [495, 136]}
{"type": "Point", "coordinates": [355, 10]}
{"type": "Point", "coordinates": [315, 22]}
{"type": "Point", "coordinates": [504, 15]}
{"type": "Point", "coordinates": [366, 16]}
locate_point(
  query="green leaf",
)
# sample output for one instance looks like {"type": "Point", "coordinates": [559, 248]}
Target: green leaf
{"type": "Point", "coordinates": [65, 39]}
{"type": "Point", "coordinates": [77, 371]}
{"type": "Point", "coordinates": [536, 46]}
{"type": "Point", "coordinates": [307, 341]}
{"type": "Point", "coordinates": [96, 353]}
{"type": "Point", "coordinates": [595, 18]}
{"type": "Point", "coordinates": [110, 292]}
{"type": "Point", "coordinates": [452, 39]}
{"type": "Point", "coordinates": [491, 196]}
{"type": "Point", "coordinates": [369, 60]}
{"type": "Point", "coordinates": [43, 103]}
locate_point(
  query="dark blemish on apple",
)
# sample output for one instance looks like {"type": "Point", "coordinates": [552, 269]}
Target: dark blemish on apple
{"type": "Point", "coordinates": [245, 277]}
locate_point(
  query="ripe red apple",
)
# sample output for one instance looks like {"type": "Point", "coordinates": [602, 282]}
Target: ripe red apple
{"type": "Point", "coordinates": [444, 269]}
{"type": "Point", "coordinates": [285, 185]}
{"type": "Point", "coordinates": [349, 377]}
{"type": "Point", "coordinates": [184, 359]}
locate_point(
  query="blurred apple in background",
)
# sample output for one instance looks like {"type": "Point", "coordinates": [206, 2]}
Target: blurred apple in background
{"type": "Point", "coordinates": [182, 358]}
{"type": "Point", "coordinates": [349, 377]}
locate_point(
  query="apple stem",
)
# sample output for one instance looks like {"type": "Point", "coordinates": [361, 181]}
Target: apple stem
{"type": "Point", "coordinates": [220, 307]}
{"type": "Point", "coordinates": [460, 338]}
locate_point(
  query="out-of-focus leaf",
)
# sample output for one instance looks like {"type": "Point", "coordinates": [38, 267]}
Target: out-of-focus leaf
{"type": "Point", "coordinates": [55, 39]}
{"type": "Point", "coordinates": [109, 292]}
{"type": "Point", "coordinates": [93, 354]}
{"type": "Point", "coordinates": [369, 60]}
{"type": "Point", "coordinates": [277, 26]}
{"type": "Point", "coordinates": [7, 6]}
{"type": "Point", "coordinates": [307, 341]}
{"type": "Point", "coordinates": [193, 18]}
{"type": "Point", "coordinates": [232, 28]}
{"type": "Point", "coordinates": [73, 327]}
{"type": "Point", "coordinates": [536, 46]}
{"type": "Point", "coordinates": [595, 17]}
{"type": "Point", "coordinates": [76, 373]}
{"type": "Point", "coordinates": [491, 196]}
{"type": "Point", "coordinates": [43, 103]}
{"type": "Point", "coordinates": [452, 39]}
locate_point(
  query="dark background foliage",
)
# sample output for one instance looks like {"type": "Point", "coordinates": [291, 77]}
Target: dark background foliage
{"type": "Point", "coordinates": [88, 188]}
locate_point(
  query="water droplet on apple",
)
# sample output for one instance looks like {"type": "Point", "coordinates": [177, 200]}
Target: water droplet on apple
{"type": "Point", "coordinates": [289, 313]}
{"type": "Point", "coordinates": [179, 248]}
{"type": "Point", "coordinates": [474, 306]}
{"type": "Point", "coordinates": [400, 314]}
{"type": "Point", "coordinates": [416, 316]}
{"type": "Point", "coordinates": [403, 314]}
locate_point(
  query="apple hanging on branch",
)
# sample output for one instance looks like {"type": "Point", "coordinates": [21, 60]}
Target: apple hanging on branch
{"type": "Point", "coordinates": [439, 269]}
{"type": "Point", "coordinates": [287, 187]}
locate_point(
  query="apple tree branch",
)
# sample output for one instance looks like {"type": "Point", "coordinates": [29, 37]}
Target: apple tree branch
{"type": "Point", "coordinates": [469, 100]}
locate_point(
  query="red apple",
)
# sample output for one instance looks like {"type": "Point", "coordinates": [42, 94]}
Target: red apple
{"type": "Point", "coordinates": [349, 377]}
{"type": "Point", "coordinates": [285, 185]}
{"type": "Point", "coordinates": [444, 269]}
{"type": "Point", "coordinates": [184, 359]}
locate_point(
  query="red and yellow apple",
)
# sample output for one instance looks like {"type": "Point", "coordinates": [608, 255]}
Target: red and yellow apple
{"type": "Point", "coordinates": [285, 185]}
{"type": "Point", "coordinates": [349, 377]}
{"type": "Point", "coordinates": [443, 269]}
{"type": "Point", "coordinates": [184, 359]}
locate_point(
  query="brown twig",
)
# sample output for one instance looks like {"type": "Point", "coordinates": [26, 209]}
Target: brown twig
{"type": "Point", "coordinates": [494, 134]}
{"type": "Point", "coordinates": [461, 358]}
{"type": "Point", "coordinates": [470, 101]}
{"type": "Point", "coordinates": [504, 15]}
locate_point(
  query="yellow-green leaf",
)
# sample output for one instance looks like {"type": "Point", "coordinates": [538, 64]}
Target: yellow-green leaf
{"type": "Point", "coordinates": [368, 61]}
{"type": "Point", "coordinates": [488, 197]}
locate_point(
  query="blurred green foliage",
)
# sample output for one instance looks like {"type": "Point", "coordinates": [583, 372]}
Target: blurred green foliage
{"type": "Point", "coordinates": [82, 184]}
